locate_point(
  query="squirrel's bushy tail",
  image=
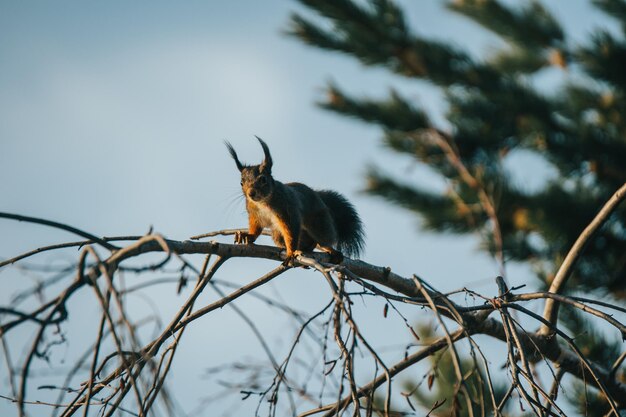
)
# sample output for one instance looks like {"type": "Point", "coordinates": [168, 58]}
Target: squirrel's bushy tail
{"type": "Point", "coordinates": [350, 234]}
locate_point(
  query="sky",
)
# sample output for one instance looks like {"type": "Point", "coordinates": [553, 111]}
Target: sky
{"type": "Point", "coordinates": [113, 116]}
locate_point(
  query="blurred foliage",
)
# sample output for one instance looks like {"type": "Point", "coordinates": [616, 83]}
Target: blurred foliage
{"type": "Point", "coordinates": [439, 390]}
{"type": "Point", "coordinates": [497, 105]}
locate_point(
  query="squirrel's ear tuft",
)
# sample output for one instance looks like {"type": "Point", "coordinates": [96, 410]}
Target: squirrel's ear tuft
{"type": "Point", "coordinates": [267, 162]}
{"type": "Point", "coordinates": [234, 155]}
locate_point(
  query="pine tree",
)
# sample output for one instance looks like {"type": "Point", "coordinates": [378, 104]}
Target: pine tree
{"type": "Point", "coordinates": [494, 109]}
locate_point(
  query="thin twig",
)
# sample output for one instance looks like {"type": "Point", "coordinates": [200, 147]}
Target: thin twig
{"type": "Point", "coordinates": [61, 226]}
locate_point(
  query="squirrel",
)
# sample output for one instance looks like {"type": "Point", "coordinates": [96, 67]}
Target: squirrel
{"type": "Point", "coordinates": [299, 218]}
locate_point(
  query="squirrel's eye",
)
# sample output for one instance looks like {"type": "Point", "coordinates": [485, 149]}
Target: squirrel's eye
{"type": "Point", "coordinates": [263, 180]}
{"type": "Point", "coordinates": [241, 182]}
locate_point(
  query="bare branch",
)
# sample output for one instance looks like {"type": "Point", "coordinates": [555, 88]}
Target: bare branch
{"type": "Point", "coordinates": [61, 226]}
{"type": "Point", "coordinates": [551, 309]}
{"type": "Point", "coordinates": [143, 368]}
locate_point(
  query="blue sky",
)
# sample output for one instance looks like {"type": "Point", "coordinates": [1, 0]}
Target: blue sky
{"type": "Point", "coordinates": [113, 117]}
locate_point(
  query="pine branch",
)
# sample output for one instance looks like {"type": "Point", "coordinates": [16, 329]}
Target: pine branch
{"type": "Point", "coordinates": [604, 59]}
{"type": "Point", "coordinates": [395, 113]}
{"type": "Point", "coordinates": [614, 8]}
{"type": "Point", "coordinates": [531, 27]}
{"type": "Point", "coordinates": [440, 213]}
{"type": "Point", "coordinates": [379, 37]}
{"type": "Point", "coordinates": [519, 60]}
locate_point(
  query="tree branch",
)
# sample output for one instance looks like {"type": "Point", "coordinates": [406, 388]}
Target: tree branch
{"type": "Point", "coordinates": [551, 310]}
{"type": "Point", "coordinates": [472, 320]}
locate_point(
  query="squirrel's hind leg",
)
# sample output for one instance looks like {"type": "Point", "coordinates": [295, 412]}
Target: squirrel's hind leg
{"type": "Point", "coordinates": [336, 256]}
{"type": "Point", "coordinates": [320, 226]}
{"type": "Point", "coordinates": [321, 230]}
{"type": "Point", "coordinates": [306, 242]}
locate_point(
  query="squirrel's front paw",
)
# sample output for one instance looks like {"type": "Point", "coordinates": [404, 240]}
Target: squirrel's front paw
{"type": "Point", "coordinates": [239, 237]}
{"type": "Point", "coordinates": [243, 238]}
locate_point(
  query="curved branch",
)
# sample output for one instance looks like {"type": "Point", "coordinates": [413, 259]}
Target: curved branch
{"type": "Point", "coordinates": [551, 310]}
{"type": "Point", "coordinates": [61, 226]}
{"type": "Point", "coordinates": [78, 244]}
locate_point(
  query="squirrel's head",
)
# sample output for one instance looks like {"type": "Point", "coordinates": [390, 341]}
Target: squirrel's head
{"type": "Point", "coordinates": [256, 180]}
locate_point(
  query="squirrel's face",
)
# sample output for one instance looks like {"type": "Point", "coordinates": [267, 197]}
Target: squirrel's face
{"type": "Point", "coordinates": [257, 183]}
{"type": "Point", "coordinates": [256, 180]}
